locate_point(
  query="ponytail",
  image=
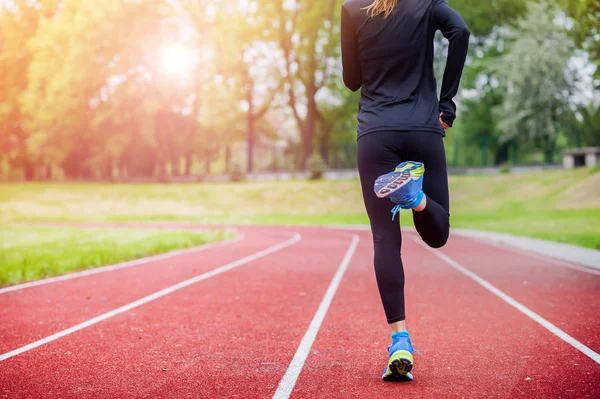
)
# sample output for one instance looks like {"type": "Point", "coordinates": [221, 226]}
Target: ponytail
{"type": "Point", "coordinates": [385, 7]}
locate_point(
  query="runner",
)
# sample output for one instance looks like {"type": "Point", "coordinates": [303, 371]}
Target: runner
{"type": "Point", "coordinates": [387, 49]}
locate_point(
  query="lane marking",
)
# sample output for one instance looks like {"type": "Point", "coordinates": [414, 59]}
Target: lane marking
{"type": "Point", "coordinates": [152, 297]}
{"type": "Point", "coordinates": [287, 383]}
{"type": "Point", "coordinates": [122, 265]}
{"type": "Point", "coordinates": [519, 306]}
{"type": "Point", "coordinates": [557, 250]}
{"type": "Point", "coordinates": [503, 245]}
{"type": "Point", "coordinates": [534, 255]}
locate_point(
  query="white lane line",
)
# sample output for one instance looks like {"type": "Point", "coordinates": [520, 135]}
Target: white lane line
{"type": "Point", "coordinates": [557, 250]}
{"type": "Point", "coordinates": [534, 255]}
{"type": "Point", "coordinates": [152, 297]}
{"type": "Point", "coordinates": [122, 265]}
{"type": "Point", "coordinates": [503, 245]}
{"type": "Point", "coordinates": [287, 383]}
{"type": "Point", "coordinates": [522, 308]}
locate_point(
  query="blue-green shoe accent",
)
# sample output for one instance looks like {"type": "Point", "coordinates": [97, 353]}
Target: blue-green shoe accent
{"type": "Point", "coordinates": [400, 362]}
{"type": "Point", "coordinates": [404, 186]}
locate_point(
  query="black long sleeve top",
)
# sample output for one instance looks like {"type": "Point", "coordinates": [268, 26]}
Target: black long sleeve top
{"type": "Point", "coordinates": [392, 60]}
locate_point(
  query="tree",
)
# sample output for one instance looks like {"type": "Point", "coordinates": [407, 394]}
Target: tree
{"type": "Point", "coordinates": [309, 39]}
{"type": "Point", "coordinates": [480, 127]}
{"type": "Point", "coordinates": [585, 15]}
{"type": "Point", "coordinates": [93, 80]}
{"type": "Point", "coordinates": [19, 22]}
{"type": "Point", "coordinates": [538, 80]}
{"type": "Point", "coordinates": [583, 126]}
{"type": "Point", "coordinates": [484, 17]}
{"type": "Point", "coordinates": [337, 130]}
{"type": "Point", "coordinates": [251, 35]}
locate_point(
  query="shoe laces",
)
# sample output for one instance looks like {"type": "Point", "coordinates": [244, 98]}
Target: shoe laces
{"type": "Point", "coordinates": [395, 210]}
{"type": "Point", "coordinates": [414, 350]}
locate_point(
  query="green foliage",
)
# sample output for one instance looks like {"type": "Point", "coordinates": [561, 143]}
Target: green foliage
{"type": "Point", "coordinates": [538, 80]}
{"type": "Point", "coordinates": [18, 25]}
{"type": "Point", "coordinates": [92, 97]}
{"type": "Point", "coordinates": [480, 126]}
{"type": "Point", "coordinates": [309, 39]}
{"type": "Point", "coordinates": [83, 93]}
{"type": "Point", "coordinates": [585, 16]}
{"type": "Point", "coordinates": [483, 17]}
{"type": "Point", "coordinates": [504, 169]}
{"type": "Point", "coordinates": [582, 127]}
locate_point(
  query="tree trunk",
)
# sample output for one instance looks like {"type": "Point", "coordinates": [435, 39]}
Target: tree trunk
{"type": "Point", "coordinates": [325, 147]}
{"type": "Point", "coordinates": [548, 156]}
{"type": "Point", "coordinates": [207, 163]}
{"type": "Point", "coordinates": [307, 137]}
{"type": "Point", "coordinates": [250, 132]}
{"type": "Point", "coordinates": [162, 172]}
{"type": "Point", "coordinates": [310, 123]}
{"type": "Point", "coordinates": [161, 123]}
{"type": "Point", "coordinates": [188, 163]}
{"type": "Point", "coordinates": [274, 160]}
{"type": "Point", "coordinates": [108, 169]}
{"type": "Point", "coordinates": [228, 158]}
{"type": "Point", "coordinates": [29, 171]}
{"type": "Point", "coordinates": [175, 166]}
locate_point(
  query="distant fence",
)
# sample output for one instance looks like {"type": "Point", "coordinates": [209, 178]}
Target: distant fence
{"type": "Point", "coordinates": [282, 162]}
{"type": "Point", "coordinates": [329, 174]}
{"type": "Point", "coordinates": [348, 174]}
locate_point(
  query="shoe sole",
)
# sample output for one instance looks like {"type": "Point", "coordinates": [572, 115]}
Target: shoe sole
{"type": "Point", "coordinates": [399, 367]}
{"type": "Point", "coordinates": [393, 186]}
{"type": "Point", "coordinates": [403, 178]}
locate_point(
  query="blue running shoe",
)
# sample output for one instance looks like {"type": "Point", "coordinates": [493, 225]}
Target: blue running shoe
{"type": "Point", "coordinates": [400, 362]}
{"type": "Point", "coordinates": [404, 186]}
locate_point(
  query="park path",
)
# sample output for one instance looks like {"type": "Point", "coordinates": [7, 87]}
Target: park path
{"type": "Point", "coordinates": [294, 312]}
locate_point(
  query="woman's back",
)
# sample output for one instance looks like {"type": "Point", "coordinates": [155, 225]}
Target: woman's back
{"type": "Point", "coordinates": [392, 59]}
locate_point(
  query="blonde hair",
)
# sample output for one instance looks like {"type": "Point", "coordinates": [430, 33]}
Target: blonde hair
{"type": "Point", "coordinates": [385, 7]}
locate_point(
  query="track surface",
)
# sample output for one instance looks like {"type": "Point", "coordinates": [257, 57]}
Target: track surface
{"type": "Point", "coordinates": [235, 332]}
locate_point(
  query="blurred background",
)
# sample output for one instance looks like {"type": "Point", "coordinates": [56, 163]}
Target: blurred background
{"type": "Point", "coordinates": [239, 105]}
{"type": "Point", "coordinates": [175, 90]}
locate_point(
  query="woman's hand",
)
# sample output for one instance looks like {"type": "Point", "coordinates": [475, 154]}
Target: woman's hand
{"type": "Point", "coordinates": [444, 124]}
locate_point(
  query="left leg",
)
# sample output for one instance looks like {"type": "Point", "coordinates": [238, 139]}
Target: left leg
{"type": "Point", "coordinates": [432, 217]}
{"type": "Point", "coordinates": [421, 184]}
{"type": "Point", "coordinates": [378, 154]}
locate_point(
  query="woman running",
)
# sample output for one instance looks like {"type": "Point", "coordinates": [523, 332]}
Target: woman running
{"type": "Point", "coordinates": [387, 49]}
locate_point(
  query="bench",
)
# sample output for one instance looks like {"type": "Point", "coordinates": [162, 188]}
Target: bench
{"type": "Point", "coordinates": [588, 156]}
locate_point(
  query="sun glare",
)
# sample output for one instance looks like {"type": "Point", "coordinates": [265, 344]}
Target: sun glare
{"type": "Point", "coordinates": [177, 60]}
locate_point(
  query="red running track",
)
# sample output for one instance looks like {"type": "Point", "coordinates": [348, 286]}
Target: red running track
{"type": "Point", "coordinates": [236, 332]}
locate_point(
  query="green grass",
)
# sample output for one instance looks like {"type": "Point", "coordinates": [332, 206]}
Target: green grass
{"type": "Point", "coordinates": [555, 205]}
{"type": "Point", "coordinates": [28, 253]}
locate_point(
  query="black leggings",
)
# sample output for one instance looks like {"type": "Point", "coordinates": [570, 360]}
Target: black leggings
{"type": "Point", "coordinates": [378, 154]}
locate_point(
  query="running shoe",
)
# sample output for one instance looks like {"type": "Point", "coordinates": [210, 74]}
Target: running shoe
{"type": "Point", "coordinates": [404, 186]}
{"type": "Point", "coordinates": [400, 362]}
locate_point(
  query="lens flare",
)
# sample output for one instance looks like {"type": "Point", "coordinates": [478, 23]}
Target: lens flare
{"type": "Point", "coordinates": [177, 60]}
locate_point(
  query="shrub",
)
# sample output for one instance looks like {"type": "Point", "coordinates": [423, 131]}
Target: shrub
{"type": "Point", "coordinates": [316, 166]}
{"type": "Point", "coordinates": [237, 174]}
{"type": "Point", "coordinates": [504, 168]}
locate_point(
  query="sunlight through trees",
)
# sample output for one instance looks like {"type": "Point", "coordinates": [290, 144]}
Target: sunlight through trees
{"type": "Point", "coordinates": [161, 89]}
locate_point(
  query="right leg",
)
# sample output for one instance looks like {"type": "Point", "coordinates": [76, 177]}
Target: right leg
{"type": "Point", "coordinates": [375, 158]}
